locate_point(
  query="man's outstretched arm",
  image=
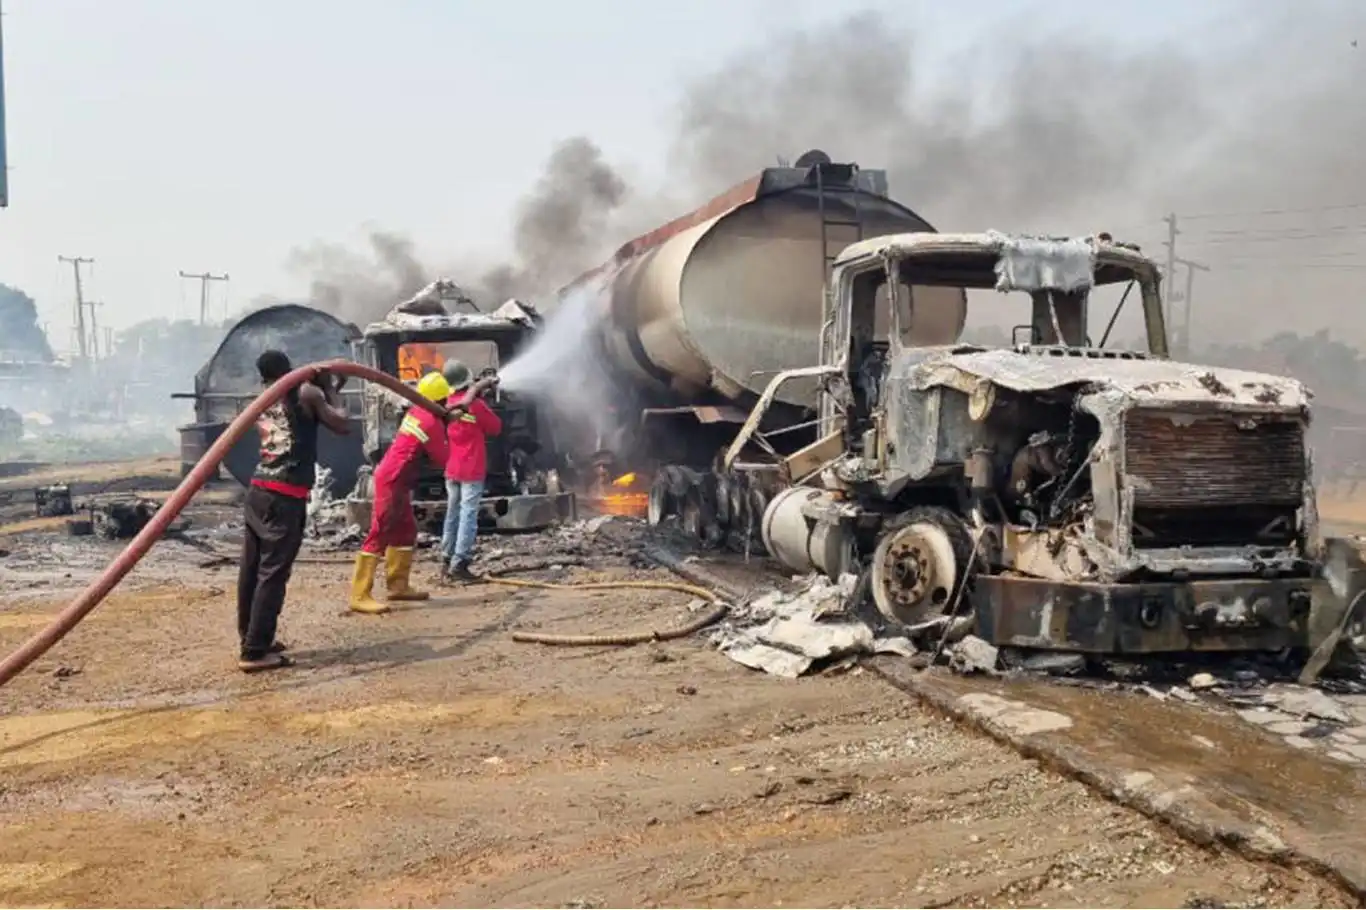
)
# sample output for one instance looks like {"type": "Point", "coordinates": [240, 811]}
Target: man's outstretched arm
{"type": "Point", "coordinates": [326, 406]}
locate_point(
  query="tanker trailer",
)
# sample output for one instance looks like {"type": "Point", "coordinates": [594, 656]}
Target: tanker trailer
{"type": "Point", "coordinates": [228, 382]}
{"type": "Point", "coordinates": [696, 317]}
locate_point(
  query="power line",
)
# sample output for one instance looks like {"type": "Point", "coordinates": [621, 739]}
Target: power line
{"type": "Point", "coordinates": [1143, 233]}
{"type": "Point", "coordinates": [1289, 236]}
{"type": "Point", "coordinates": [1298, 254]}
{"type": "Point", "coordinates": [1255, 266]}
{"type": "Point", "coordinates": [204, 279]}
{"type": "Point", "coordinates": [1343, 207]}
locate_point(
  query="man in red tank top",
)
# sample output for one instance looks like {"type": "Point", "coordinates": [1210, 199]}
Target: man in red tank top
{"type": "Point", "coordinates": [276, 506]}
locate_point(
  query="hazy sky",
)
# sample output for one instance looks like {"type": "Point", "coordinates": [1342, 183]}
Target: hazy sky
{"type": "Point", "coordinates": [158, 135]}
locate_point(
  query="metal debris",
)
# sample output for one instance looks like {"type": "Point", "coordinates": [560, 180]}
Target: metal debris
{"type": "Point", "coordinates": [790, 634]}
{"type": "Point", "coordinates": [1044, 263]}
{"type": "Point", "coordinates": [973, 655]}
{"type": "Point", "coordinates": [1052, 663]}
{"type": "Point", "coordinates": [53, 500]}
{"type": "Point", "coordinates": [1301, 702]}
{"type": "Point", "coordinates": [122, 519]}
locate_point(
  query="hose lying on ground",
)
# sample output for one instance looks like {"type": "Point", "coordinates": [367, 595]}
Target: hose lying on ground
{"type": "Point", "coordinates": [99, 589]}
{"type": "Point", "coordinates": [627, 638]}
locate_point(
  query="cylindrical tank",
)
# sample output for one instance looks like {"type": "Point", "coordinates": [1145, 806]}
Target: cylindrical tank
{"type": "Point", "coordinates": [724, 298]}
{"type": "Point", "coordinates": [802, 543]}
{"type": "Point", "coordinates": [229, 380]}
{"type": "Point", "coordinates": [195, 441]}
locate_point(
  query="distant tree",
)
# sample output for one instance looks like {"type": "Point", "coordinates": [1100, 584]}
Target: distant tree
{"type": "Point", "coordinates": [1332, 369]}
{"type": "Point", "coordinates": [20, 333]}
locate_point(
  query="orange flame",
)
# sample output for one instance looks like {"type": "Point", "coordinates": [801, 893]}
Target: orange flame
{"type": "Point", "coordinates": [416, 360]}
{"type": "Point", "coordinates": [634, 502]}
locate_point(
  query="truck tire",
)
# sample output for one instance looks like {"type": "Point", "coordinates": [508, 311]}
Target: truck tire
{"type": "Point", "coordinates": [920, 565]}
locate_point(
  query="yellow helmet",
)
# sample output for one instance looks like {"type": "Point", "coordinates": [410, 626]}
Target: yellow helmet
{"type": "Point", "coordinates": [434, 387]}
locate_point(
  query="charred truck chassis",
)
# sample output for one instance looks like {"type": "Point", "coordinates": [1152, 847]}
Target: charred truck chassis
{"type": "Point", "coordinates": [1072, 497]}
{"type": "Point", "coordinates": [523, 489]}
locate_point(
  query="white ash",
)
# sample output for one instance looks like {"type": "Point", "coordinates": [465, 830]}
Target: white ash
{"type": "Point", "coordinates": [786, 634]}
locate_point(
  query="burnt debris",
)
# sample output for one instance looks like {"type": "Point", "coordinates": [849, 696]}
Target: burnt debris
{"type": "Point", "coordinates": [53, 500]}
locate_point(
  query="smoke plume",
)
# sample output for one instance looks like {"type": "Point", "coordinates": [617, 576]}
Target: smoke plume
{"type": "Point", "coordinates": [562, 225]}
{"type": "Point", "coordinates": [562, 228]}
{"type": "Point", "coordinates": [1031, 129]}
{"type": "Point", "coordinates": [358, 288]}
{"type": "Point", "coordinates": [1038, 127]}
{"type": "Point", "coordinates": [1064, 132]}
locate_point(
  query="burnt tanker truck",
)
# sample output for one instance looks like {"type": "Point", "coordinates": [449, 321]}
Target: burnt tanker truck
{"type": "Point", "coordinates": [697, 316]}
{"type": "Point", "coordinates": [792, 374]}
{"type": "Point", "coordinates": [523, 487]}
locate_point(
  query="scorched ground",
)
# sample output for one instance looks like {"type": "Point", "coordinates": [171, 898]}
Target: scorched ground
{"type": "Point", "coordinates": [425, 759]}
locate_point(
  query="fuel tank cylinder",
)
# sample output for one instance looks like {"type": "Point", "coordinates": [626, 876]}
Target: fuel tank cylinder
{"type": "Point", "coordinates": [802, 543]}
{"type": "Point", "coordinates": [727, 296]}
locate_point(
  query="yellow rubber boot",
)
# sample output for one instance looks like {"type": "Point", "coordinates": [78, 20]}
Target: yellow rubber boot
{"type": "Point", "coordinates": [398, 567]}
{"type": "Point", "coordinates": [363, 582]}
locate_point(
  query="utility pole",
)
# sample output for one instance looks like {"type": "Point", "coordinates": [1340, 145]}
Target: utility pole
{"type": "Point", "coordinates": [1170, 277]}
{"type": "Point", "coordinates": [204, 279]}
{"type": "Point", "coordinates": [95, 332]}
{"type": "Point", "coordinates": [1191, 268]}
{"type": "Point", "coordinates": [76, 263]}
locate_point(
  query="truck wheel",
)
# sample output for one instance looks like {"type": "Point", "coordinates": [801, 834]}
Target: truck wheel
{"type": "Point", "coordinates": [920, 564]}
{"type": "Point", "coordinates": [661, 500]}
{"type": "Point", "coordinates": [690, 511]}
{"type": "Point", "coordinates": [723, 499]}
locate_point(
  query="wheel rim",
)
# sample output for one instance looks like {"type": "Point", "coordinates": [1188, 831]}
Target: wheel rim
{"type": "Point", "coordinates": [914, 573]}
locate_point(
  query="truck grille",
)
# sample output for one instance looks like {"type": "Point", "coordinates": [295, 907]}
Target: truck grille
{"type": "Point", "coordinates": [1182, 461]}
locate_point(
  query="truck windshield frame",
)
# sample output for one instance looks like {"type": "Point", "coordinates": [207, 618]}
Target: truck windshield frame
{"type": "Point", "coordinates": [1058, 317]}
{"type": "Point", "coordinates": [386, 345]}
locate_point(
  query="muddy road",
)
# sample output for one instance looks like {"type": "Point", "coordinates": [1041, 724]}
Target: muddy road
{"type": "Point", "coordinates": [423, 758]}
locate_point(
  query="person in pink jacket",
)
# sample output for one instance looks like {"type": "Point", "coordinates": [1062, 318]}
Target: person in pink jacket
{"type": "Point", "coordinates": [466, 467]}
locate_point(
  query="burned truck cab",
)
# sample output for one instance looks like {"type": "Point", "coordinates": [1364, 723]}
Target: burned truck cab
{"type": "Point", "coordinates": [522, 490]}
{"type": "Point", "coordinates": [1070, 495]}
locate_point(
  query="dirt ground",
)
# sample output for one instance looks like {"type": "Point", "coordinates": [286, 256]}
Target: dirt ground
{"type": "Point", "coordinates": [1342, 508]}
{"type": "Point", "coordinates": [423, 758]}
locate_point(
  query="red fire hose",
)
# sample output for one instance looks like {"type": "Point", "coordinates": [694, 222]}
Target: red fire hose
{"type": "Point", "coordinates": [137, 548]}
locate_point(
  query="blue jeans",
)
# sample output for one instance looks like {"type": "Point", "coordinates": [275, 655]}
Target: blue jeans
{"type": "Point", "coordinates": [462, 519]}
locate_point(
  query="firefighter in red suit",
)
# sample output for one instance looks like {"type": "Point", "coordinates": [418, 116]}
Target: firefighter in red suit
{"type": "Point", "coordinates": [393, 528]}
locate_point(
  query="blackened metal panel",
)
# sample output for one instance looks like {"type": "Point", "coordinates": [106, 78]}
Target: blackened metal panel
{"type": "Point", "coordinates": [1176, 460]}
